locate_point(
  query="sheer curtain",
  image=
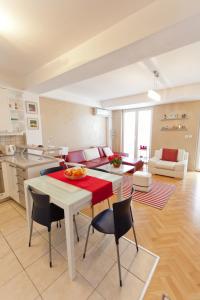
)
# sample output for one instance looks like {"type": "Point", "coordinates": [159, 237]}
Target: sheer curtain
{"type": "Point", "coordinates": [198, 152]}
{"type": "Point", "coordinates": [129, 122]}
{"type": "Point", "coordinates": [137, 126]}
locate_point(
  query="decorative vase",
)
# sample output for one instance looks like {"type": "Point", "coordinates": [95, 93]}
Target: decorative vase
{"type": "Point", "coordinates": [116, 165]}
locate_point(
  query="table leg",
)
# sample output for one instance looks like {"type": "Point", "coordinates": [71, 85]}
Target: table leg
{"type": "Point", "coordinates": [29, 204]}
{"type": "Point", "coordinates": [70, 242]}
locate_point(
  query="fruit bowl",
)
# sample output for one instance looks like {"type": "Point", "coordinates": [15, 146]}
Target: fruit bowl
{"type": "Point", "coordinates": [75, 173]}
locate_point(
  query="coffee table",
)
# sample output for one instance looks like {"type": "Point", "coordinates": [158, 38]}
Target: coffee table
{"type": "Point", "coordinates": [119, 171]}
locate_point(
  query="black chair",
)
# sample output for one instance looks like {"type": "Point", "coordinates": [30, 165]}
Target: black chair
{"type": "Point", "coordinates": [52, 170]}
{"type": "Point", "coordinates": [44, 213]}
{"type": "Point", "coordinates": [116, 221]}
{"type": "Point", "coordinates": [92, 206]}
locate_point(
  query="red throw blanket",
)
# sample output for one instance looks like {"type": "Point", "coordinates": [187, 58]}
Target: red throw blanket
{"type": "Point", "coordinates": [101, 189]}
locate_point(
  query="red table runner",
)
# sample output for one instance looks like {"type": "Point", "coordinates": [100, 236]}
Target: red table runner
{"type": "Point", "coordinates": [101, 189]}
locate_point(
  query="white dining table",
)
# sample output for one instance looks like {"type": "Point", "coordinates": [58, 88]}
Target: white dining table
{"type": "Point", "coordinates": [72, 199]}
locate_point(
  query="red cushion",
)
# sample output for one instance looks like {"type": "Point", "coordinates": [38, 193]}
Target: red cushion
{"type": "Point", "coordinates": [101, 152]}
{"type": "Point", "coordinates": [138, 164]}
{"type": "Point", "coordinates": [96, 162]}
{"type": "Point", "coordinates": [170, 154]}
{"type": "Point", "coordinates": [75, 156]}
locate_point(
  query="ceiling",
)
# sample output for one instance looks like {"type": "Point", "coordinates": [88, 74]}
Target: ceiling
{"type": "Point", "coordinates": [177, 68]}
{"type": "Point", "coordinates": [37, 32]}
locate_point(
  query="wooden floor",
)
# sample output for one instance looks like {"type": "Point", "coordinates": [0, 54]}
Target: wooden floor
{"type": "Point", "coordinates": [174, 234]}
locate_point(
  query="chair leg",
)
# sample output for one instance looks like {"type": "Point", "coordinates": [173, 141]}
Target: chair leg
{"type": "Point", "coordinates": [75, 225]}
{"type": "Point", "coordinates": [86, 242]}
{"type": "Point", "coordinates": [60, 223]}
{"type": "Point", "coordinates": [136, 243]}
{"type": "Point", "coordinates": [134, 233]}
{"type": "Point", "coordinates": [119, 266]}
{"type": "Point", "coordinates": [31, 231]}
{"type": "Point", "coordinates": [57, 224]}
{"type": "Point", "coordinates": [108, 202]}
{"type": "Point", "coordinates": [50, 255]}
{"type": "Point", "coordinates": [92, 217]}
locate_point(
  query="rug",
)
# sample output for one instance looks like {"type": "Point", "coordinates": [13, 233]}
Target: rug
{"type": "Point", "coordinates": [157, 197]}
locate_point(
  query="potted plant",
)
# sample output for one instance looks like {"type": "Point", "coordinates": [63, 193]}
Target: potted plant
{"type": "Point", "coordinates": [115, 160]}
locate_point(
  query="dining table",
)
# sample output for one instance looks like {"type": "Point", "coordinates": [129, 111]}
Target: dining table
{"type": "Point", "coordinates": [70, 198]}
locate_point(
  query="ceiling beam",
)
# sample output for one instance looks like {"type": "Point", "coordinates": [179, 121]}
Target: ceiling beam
{"type": "Point", "coordinates": [160, 27]}
{"type": "Point", "coordinates": [176, 94]}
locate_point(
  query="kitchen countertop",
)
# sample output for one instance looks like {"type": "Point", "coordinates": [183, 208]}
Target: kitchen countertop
{"type": "Point", "coordinates": [26, 161]}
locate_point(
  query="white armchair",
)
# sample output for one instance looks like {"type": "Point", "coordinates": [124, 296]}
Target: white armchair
{"type": "Point", "coordinates": [169, 168]}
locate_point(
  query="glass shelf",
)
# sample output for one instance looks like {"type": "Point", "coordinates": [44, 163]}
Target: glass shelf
{"type": "Point", "coordinates": [173, 129]}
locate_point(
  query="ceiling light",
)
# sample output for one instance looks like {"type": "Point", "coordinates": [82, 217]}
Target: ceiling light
{"type": "Point", "coordinates": [6, 23]}
{"type": "Point", "coordinates": [152, 94]}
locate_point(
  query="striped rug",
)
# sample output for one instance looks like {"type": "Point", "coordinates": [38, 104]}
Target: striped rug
{"type": "Point", "coordinates": [157, 197]}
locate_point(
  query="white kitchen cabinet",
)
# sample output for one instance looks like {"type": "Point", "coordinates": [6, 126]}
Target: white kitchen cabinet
{"type": "Point", "coordinates": [12, 181]}
{"type": "Point", "coordinates": [15, 176]}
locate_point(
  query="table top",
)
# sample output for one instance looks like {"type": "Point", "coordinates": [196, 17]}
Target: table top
{"type": "Point", "coordinates": [66, 193]}
{"type": "Point", "coordinates": [119, 171]}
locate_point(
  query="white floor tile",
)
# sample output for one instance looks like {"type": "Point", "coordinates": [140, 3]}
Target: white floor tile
{"type": "Point", "coordinates": [64, 288]}
{"type": "Point", "coordinates": [19, 288]}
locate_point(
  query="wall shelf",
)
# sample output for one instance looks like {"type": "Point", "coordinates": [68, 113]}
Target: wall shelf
{"type": "Point", "coordinates": [173, 129]}
{"type": "Point", "coordinates": [174, 119]}
{"type": "Point", "coordinates": [11, 133]}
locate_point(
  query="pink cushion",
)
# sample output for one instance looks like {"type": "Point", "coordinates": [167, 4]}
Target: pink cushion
{"type": "Point", "coordinates": [76, 156]}
{"type": "Point", "coordinates": [101, 152]}
{"type": "Point", "coordinates": [169, 154]}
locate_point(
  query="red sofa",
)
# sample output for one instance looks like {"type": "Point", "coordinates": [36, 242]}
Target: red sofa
{"type": "Point", "coordinates": [78, 157]}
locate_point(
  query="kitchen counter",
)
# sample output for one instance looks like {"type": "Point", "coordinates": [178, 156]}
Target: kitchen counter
{"type": "Point", "coordinates": [26, 161]}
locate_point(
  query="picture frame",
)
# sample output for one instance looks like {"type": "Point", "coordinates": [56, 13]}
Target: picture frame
{"type": "Point", "coordinates": [33, 123]}
{"type": "Point", "coordinates": [31, 107]}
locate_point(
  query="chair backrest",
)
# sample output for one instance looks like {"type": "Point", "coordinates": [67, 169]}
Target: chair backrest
{"type": "Point", "coordinates": [51, 170]}
{"type": "Point", "coordinates": [123, 218]}
{"type": "Point", "coordinates": [41, 208]}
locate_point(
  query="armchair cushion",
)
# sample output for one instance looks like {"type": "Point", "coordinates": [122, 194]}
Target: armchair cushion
{"type": "Point", "coordinates": [169, 154]}
{"type": "Point", "coordinates": [163, 164]}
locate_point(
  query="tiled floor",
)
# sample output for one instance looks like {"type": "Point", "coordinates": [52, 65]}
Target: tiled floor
{"type": "Point", "coordinates": [25, 272]}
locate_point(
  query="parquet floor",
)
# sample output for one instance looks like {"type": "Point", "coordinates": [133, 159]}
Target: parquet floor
{"type": "Point", "coordinates": [174, 234]}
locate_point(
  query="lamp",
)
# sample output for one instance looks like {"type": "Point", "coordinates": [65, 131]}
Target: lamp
{"type": "Point", "coordinates": [152, 94]}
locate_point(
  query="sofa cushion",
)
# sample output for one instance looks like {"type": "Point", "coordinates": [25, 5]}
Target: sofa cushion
{"type": "Point", "coordinates": [167, 165]}
{"type": "Point", "coordinates": [76, 156]}
{"type": "Point", "coordinates": [107, 151]}
{"type": "Point", "coordinates": [96, 162]}
{"type": "Point", "coordinates": [101, 152]}
{"type": "Point", "coordinates": [91, 154]}
{"type": "Point", "coordinates": [170, 154]}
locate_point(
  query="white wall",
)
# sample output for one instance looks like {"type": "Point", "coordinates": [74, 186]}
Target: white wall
{"type": "Point", "coordinates": [33, 136]}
